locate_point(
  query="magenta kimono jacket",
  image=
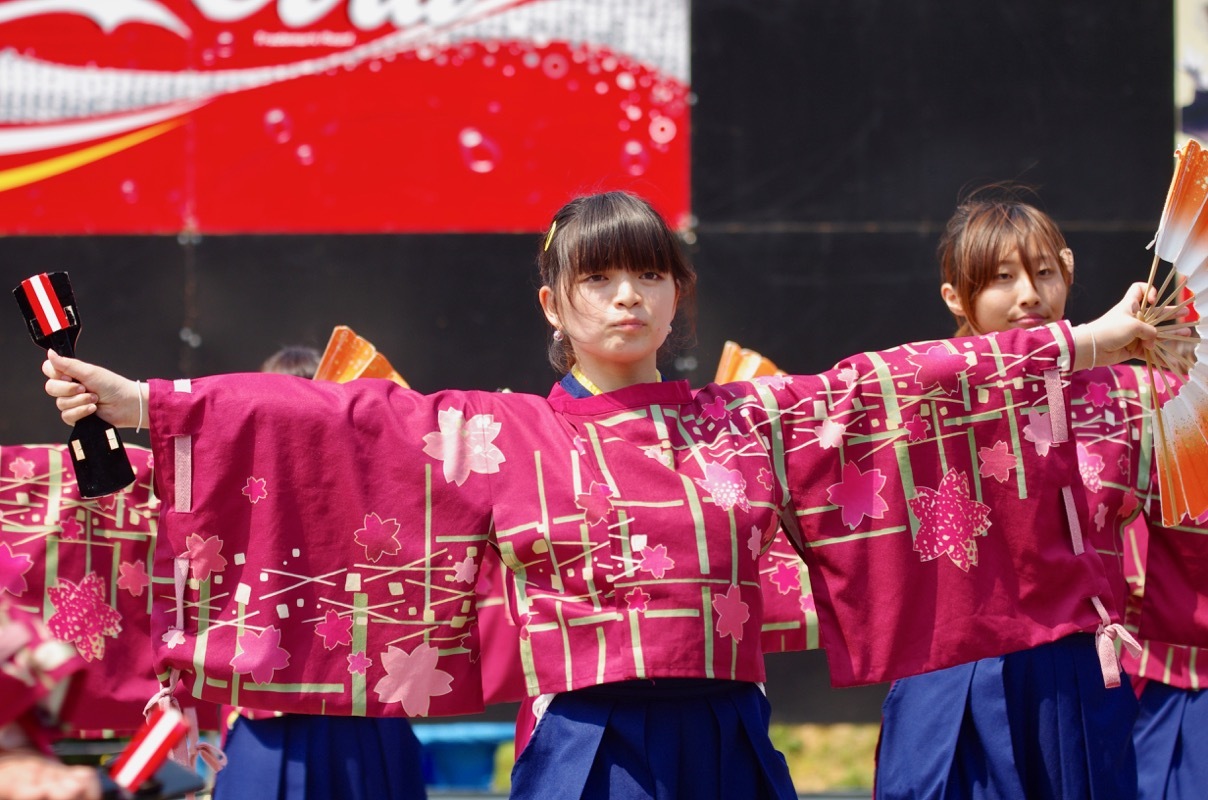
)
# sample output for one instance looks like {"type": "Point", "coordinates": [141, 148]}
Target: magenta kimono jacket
{"type": "Point", "coordinates": [1165, 566]}
{"type": "Point", "coordinates": [83, 568]}
{"type": "Point", "coordinates": [319, 543]}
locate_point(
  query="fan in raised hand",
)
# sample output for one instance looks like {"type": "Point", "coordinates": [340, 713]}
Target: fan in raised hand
{"type": "Point", "coordinates": [1181, 444]}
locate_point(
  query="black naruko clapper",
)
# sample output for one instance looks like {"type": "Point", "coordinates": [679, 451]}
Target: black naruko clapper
{"type": "Point", "coordinates": [97, 453]}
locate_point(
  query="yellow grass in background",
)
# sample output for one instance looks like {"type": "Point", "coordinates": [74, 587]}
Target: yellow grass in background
{"type": "Point", "coordinates": [820, 757]}
{"type": "Point", "coordinates": [828, 757]}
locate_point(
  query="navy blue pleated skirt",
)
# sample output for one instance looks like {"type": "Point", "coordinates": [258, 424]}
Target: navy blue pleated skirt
{"type": "Point", "coordinates": [660, 739]}
{"type": "Point", "coordinates": [1171, 736]}
{"type": "Point", "coordinates": [305, 757]}
{"type": "Point", "coordinates": [1031, 725]}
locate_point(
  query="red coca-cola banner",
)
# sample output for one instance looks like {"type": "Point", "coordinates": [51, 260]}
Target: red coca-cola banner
{"type": "Point", "coordinates": [231, 116]}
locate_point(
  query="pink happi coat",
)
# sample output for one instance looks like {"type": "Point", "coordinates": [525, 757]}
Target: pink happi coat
{"type": "Point", "coordinates": [1166, 566]}
{"type": "Point", "coordinates": [1181, 666]}
{"type": "Point", "coordinates": [319, 544]}
{"type": "Point", "coordinates": [84, 568]}
{"type": "Point", "coordinates": [1168, 610]}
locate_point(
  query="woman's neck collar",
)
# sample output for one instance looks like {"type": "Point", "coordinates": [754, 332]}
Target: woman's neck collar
{"type": "Point", "coordinates": [610, 383]}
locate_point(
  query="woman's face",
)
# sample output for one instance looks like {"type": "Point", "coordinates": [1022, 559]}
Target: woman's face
{"type": "Point", "coordinates": [616, 317]}
{"type": "Point", "coordinates": [1016, 299]}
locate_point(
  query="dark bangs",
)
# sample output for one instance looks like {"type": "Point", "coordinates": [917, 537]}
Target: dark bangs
{"type": "Point", "coordinates": [607, 231]}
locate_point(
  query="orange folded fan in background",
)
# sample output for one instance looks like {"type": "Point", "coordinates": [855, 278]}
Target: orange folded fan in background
{"type": "Point", "coordinates": [740, 364]}
{"type": "Point", "coordinates": [1181, 443]}
{"type": "Point", "coordinates": [349, 356]}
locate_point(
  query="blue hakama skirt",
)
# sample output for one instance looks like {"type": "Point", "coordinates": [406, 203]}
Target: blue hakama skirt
{"type": "Point", "coordinates": [1031, 725]}
{"type": "Point", "coordinates": [308, 757]}
{"type": "Point", "coordinates": [1171, 737]}
{"type": "Point", "coordinates": [660, 739]}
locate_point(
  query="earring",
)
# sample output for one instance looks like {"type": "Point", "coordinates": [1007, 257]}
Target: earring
{"type": "Point", "coordinates": [558, 336]}
{"type": "Point", "coordinates": [668, 329]}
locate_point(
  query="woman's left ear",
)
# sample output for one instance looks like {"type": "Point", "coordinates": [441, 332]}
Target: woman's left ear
{"type": "Point", "coordinates": [952, 300]}
{"type": "Point", "coordinates": [545, 296]}
{"type": "Point", "coordinates": [1067, 258]}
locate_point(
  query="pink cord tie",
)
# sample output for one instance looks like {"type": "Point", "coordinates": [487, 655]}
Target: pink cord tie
{"type": "Point", "coordinates": [1105, 636]}
{"type": "Point", "coordinates": [164, 699]}
{"type": "Point", "coordinates": [1071, 513]}
{"type": "Point", "coordinates": [213, 757]}
{"type": "Point", "coordinates": [1057, 412]}
{"type": "Point", "coordinates": [190, 747]}
{"type": "Point", "coordinates": [180, 577]}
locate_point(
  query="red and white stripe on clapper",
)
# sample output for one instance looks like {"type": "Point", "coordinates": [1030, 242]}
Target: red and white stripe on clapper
{"type": "Point", "coordinates": [45, 303]}
{"type": "Point", "coordinates": [149, 747]}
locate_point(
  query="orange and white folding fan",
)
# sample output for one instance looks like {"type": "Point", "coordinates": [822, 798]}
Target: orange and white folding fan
{"type": "Point", "coordinates": [1181, 444]}
{"type": "Point", "coordinates": [740, 364]}
{"type": "Point", "coordinates": [349, 356]}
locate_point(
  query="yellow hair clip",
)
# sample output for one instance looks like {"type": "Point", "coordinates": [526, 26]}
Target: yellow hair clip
{"type": "Point", "coordinates": [549, 237]}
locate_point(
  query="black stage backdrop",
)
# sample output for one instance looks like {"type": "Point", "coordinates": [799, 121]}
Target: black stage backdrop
{"type": "Point", "coordinates": [831, 139]}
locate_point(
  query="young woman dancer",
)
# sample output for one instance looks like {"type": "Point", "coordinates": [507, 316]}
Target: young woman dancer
{"type": "Point", "coordinates": [1039, 723]}
{"type": "Point", "coordinates": [630, 512]}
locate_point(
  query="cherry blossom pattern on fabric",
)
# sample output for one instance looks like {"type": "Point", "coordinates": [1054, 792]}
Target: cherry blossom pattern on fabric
{"type": "Point", "coordinates": [359, 662]}
{"type": "Point", "coordinates": [82, 616]}
{"type": "Point", "coordinates": [715, 410]}
{"type": "Point", "coordinates": [334, 630]}
{"type": "Point", "coordinates": [1090, 466]}
{"type": "Point", "coordinates": [917, 428]}
{"type": "Point", "coordinates": [412, 679]}
{"type": "Point", "coordinates": [949, 520]}
{"type": "Point", "coordinates": [996, 462]}
{"type": "Point", "coordinates": [378, 536]}
{"type": "Point", "coordinates": [637, 600]}
{"type": "Point", "coordinates": [465, 570]}
{"type": "Point", "coordinates": [132, 576]}
{"type": "Point", "coordinates": [205, 555]}
{"type": "Point", "coordinates": [1098, 394]}
{"type": "Point", "coordinates": [255, 489]}
{"type": "Point", "coordinates": [109, 502]}
{"type": "Point", "coordinates": [71, 529]}
{"type": "Point", "coordinates": [732, 613]}
{"type": "Point", "coordinates": [727, 486]}
{"type": "Point", "coordinates": [13, 567]}
{"type": "Point", "coordinates": [937, 367]}
{"type": "Point", "coordinates": [464, 446]}
{"type": "Point", "coordinates": [858, 494]}
{"type": "Point", "coordinates": [764, 476]}
{"type": "Point", "coordinates": [22, 468]}
{"type": "Point", "coordinates": [755, 542]}
{"type": "Point", "coordinates": [1128, 505]}
{"type": "Point", "coordinates": [664, 455]}
{"type": "Point", "coordinates": [1039, 431]}
{"type": "Point", "coordinates": [774, 382]}
{"type": "Point", "coordinates": [260, 654]}
{"type": "Point", "coordinates": [830, 434]}
{"type": "Point", "coordinates": [785, 577]}
{"type": "Point", "coordinates": [596, 503]}
{"type": "Point", "coordinates": [656, 561]}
